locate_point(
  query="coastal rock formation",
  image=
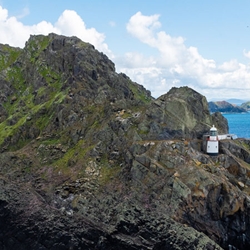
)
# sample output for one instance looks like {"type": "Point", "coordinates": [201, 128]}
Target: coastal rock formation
{"type": "Point", "coordinates": [225, 107]}
{"type": "Point", "coordinates": [90, 160]}
{"type": "Point", "coordinates": [245, 105]}
{"type": "Point", "coordinates": [182, 113]}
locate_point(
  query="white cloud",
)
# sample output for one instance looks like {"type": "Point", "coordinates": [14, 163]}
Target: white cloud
{"type": "Point", "coordinates": [174, 64]}
{"type": "Point", "coordinates": [135, 60]}
{"type": "Point", "coordinates": [230, 66]}
{"type": "Point", "coordinates": [246, 53]}
{"type": "Point", "coordinates": [15, 33]}
{"type": "Point", "coordinates": [143, 27]}
{"type": "Point", "coordinates": [112, 24]}
{"type": "Point", "coordinates": [71, 24]}
{"type": "Point", "coordinates": [179, 65]}
{"type": "Point", "coordinates": [3, 14]}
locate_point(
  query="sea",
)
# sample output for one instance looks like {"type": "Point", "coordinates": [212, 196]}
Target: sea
{"type": "Point", "coordinates": [239, 124]}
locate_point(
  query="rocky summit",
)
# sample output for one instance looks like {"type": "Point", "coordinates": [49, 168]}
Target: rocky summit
{"type": "Point", "coordinates": [90, 160]}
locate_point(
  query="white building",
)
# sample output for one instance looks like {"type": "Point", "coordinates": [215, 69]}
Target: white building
{"type": "Point", "coordinates": [211, 142]}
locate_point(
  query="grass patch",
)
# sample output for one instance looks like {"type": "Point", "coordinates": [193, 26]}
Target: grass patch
{"type": "Point", "coordinates": [40, 122]}
{"type": "Point", "coordinates": [139, 95]}
{"type": "Point", "coordinates": [78, 152]}
{"type": "Point", "coordinates": [37, 46]}
{"type": "Point", "coordinates": [108, 173]}
{"type": "Point", "coordinates": [20, 106]}
{"type": "Point", "coordinates": [9, 56]}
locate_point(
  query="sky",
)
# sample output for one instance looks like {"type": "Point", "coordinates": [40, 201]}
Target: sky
{"type": "Point", "coordinates": [159, 44]}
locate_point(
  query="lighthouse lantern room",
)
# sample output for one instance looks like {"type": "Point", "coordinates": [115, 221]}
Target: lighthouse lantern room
{"type": "Point", "coordinates": [211, 142]}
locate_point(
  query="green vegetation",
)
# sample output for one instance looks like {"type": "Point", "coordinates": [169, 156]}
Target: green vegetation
{"type": "Point", "coordinates": [6, 131]}
{"type": "Point", "coordinates": [243, 143]}
{"type": "Point", "coordinates": [77, 152]}
{"type": "Point", "coordinates": [20, 106]}
{"type": "Point", "coordinates": [139, 94]}
{"type": "Point", "coordinates": [36, 46]}
{"type": "Point", "coordinates": [29, 111]}
{"type": "Point", "coordinates": [108, 173]}
{"type": "Point", "coordinates": [8, 56]}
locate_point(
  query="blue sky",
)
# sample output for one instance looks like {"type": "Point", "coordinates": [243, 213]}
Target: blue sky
{"type": "Point", "coordinates": [158, 43]}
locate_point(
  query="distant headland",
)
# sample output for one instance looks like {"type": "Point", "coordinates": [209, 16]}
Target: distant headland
{"type": "Point", "coordinates": [227, 107]}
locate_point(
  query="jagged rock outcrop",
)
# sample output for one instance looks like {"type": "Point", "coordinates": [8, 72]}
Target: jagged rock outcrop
{"type": "Point", "coordinates": [89, 160]}
{"type": "Point", "coordinates": [181, 113]}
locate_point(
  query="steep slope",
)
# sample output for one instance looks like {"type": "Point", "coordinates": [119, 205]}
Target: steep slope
{"type": "Point", "coordinates": [89, 160]}
{"type": "Point", "coordinates": [182, 113]}
{"type": "Point", "coordinates": [56, 82]}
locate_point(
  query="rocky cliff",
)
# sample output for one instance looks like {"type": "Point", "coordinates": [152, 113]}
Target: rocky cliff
{"type": "Point", "coordinates": [89, 160]}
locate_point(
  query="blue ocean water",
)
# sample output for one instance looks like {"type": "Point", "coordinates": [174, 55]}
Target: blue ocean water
{"type": "Point", "coordinates": [239, 124]}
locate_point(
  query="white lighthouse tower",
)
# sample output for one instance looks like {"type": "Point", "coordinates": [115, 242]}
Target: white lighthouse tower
{"type": "Point", "coordinates": [212, 142]}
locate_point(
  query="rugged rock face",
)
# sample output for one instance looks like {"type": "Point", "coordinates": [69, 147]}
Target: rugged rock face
{"type": "Point", "coordinates": [89, 160]}
{"type": "Point", "coordinates": [182, 113]}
